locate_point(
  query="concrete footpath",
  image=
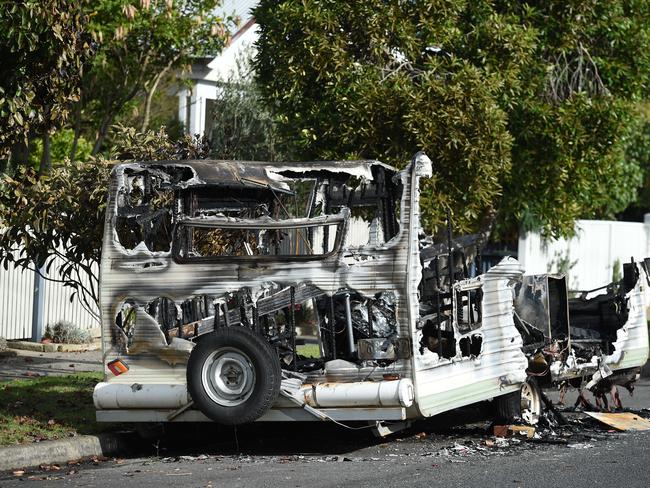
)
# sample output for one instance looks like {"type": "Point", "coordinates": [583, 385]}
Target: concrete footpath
{"type": "Point", "coordinates": [34, 363]}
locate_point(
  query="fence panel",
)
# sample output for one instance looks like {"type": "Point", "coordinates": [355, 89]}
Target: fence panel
{"type": "Point", "coordinates": [17, 299]}
{"type": "Point", "coordinates": [16, 302]}
{"type": "Point", "coordinates": [591, 255]}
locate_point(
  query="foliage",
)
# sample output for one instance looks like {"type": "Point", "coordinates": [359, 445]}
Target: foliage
{"type": "Point", "coordinates": [524, 109]}
{"type": "Point", "coordinates": [138, 45]}
{"type": "Point", "coordinates": [44, 45]}
{"type": "Point", "coordinates": [163, 110]}
{"type": "Point", "coordinates": [62, 214]}
{"type": "Point", "coordinates": [58, 215]}
{"type": "Point", "coordinates": [61, 145]}
{"type": "Point", "coordinates": [638, 153]}
{"type": "Point", "coordinates": [617, 273]}
{"type": "Point", "coordinates": [242, 126]}
{"type": "Point", "coordinates": [577, 120]}
{"type": "Point", "coordinates": [51, 407]}
{"type": "Point", "coordinates": [64, 332]}
{"type": "Point", "coordinates": [156, 146]}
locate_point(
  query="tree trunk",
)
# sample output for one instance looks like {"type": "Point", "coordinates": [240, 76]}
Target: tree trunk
{"type": "Point", "coordinates": [77, 129]}
{"type": "Point", "coordinates": [46, 157]}
{"type": "Point", "coordinates": [147, 104]}
{"type": "Point", "coordinates": [486, 225]}
{"type": "Point", "coordinates": [152, 91]}
{"type": "Point", "coordinates": [102, 132]}
{"type": "Point", "coordinates": [19, 155]}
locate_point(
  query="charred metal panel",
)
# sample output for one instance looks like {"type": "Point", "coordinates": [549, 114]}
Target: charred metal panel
{"type": "Point", "coordinates": [157, 353]}
{"type": "Point", "coordinates": [446, 383]}
{"type": "Point", "coordinates": [155, 303]}
{"type": "Point", "coordinates": [541, 300]}
{"type": "Point", "coordinates": [384, 349]}
{"type": "Point", "coordinates": [630, 349]}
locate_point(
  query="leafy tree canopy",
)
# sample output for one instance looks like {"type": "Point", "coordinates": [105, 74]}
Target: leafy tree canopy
{"type": "Point", "coordinates": [240, 125]}
{"type": "Point", "coordinates": [139, 43]}
{"type": "Point", "coordinates": [43, 46]}
{"type": "Point", "coordinates": [61, 214]}
{"type": "Point", "coordinates": [526, 109]}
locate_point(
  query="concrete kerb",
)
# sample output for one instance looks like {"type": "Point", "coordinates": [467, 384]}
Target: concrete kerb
{"type": "Point", "coordinates": [64, 450]}
{"type": "Point", "coordinates": [7, 354]}
{"type": "Point", "coordinates": [40, 347]}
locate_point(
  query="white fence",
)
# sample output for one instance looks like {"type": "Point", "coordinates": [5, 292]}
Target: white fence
{"type": "Point", "coordinates": [590, 255]}
{"type": "Point", "coordinates": [17, 304]}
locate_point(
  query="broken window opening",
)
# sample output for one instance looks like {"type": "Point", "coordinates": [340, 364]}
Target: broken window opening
{"type": "Point", "coordinates": [438, 335]}
{"type": "Point", "coordinates": [368, 318]}
{"type": "Point", "coordinates": [468, 309]}
{"type": "Point", "coordinates": [144, 213]}
{"type": "Point", "coordinates": [373, 200]}
{"type": "Point", "coordinates": [219, 238]}
{"type": "Point", "coordinates": [125, 321]}
{"type": "Point", "coordinates": [228, 202]}
{"type": "Point", "coordinates": [296, 335]}
{"type": "Point", "coordinates": [129, 232]}
{"type": "Point", "coordinates": [470, 346]}
{"type": "Point", "coordinates": [164, 311]}
{"type": "Point", "coordinates": [286, 317]}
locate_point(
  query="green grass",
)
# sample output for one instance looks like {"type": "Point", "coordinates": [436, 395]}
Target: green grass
{"type": "Point", "coordinates": [309, 350]}
{"type": "Point", "coordinates": [49, 407]}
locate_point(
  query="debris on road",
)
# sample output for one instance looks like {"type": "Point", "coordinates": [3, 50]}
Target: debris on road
{"type": "Point", "coordinates": [621, 421]}
{"type": "Point", "coordinates": [514, 430]}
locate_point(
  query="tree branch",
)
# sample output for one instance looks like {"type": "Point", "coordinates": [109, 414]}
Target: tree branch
{"type": "Point", "coordinates": [152, 91]}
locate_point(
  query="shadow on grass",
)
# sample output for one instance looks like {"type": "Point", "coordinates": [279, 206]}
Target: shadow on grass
{"type": "Point", "coordinates": [48, 408]}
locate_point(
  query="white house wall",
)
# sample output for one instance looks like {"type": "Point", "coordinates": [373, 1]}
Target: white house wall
{"type": "Point", "coordinates": [199, 94]}
{"type": "Point", "coordinates": [223, 68]}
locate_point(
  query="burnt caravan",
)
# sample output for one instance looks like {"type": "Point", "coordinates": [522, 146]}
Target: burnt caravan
{"type": "Point", "coordinates": [593, 340]}
{"type": "Point", "coordinates": [253, 291]}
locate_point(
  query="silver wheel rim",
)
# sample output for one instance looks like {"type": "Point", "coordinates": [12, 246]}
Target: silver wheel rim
{"type": "Point", "coordinates": [531, 405]}
{"type": "Point", "coordinates": [228, 377]}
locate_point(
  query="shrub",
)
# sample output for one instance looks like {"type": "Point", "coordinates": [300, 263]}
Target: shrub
{"type": "Point", "coordinates": [64, 332]}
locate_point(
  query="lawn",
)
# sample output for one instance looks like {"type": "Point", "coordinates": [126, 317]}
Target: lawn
{"type": "Point", "coordinates": [309, 350]}
{"type": "Point", "coordinates": [49, 407]}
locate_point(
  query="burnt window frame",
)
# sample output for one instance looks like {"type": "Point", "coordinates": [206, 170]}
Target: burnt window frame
{"type": "Point", "coordinates": [459, 290]}
{"type": "Point", "coordinates": [340, 220]}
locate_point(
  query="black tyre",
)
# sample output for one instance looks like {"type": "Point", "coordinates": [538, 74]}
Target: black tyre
{"type": "Point", "coordinates": [522, 405]}
{"type": "Point", "coordinates": [233, 375]}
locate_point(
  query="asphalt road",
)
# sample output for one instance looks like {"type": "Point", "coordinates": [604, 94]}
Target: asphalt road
{"type": "Point", "coordinates": [449, 450]}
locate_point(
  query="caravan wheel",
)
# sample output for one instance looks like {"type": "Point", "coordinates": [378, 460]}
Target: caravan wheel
{"type": "Point", "coordinates": [233, 375]}
{"type": "Point", "coordinates": [525, 404]}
